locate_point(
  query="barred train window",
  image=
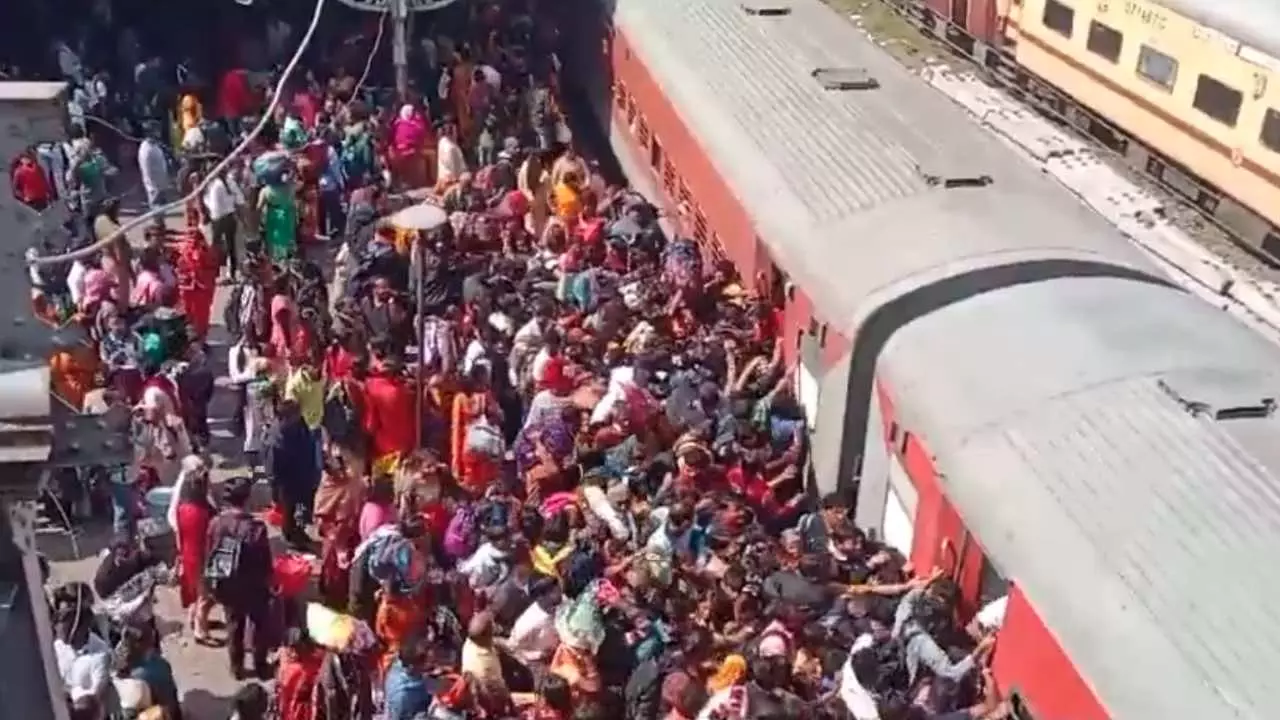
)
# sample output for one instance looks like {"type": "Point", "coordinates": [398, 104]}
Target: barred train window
{"type": "Point", "coordinates": [1105, 41]}
{"type": "Point", "coordinates": [1059, 17]}
{"type": "Point", "coordinates": [1218, 100]}
{"type": "Point", "coordinates": [1270, 136]}
{"type": "Point", "coordinates": [1157, 67]}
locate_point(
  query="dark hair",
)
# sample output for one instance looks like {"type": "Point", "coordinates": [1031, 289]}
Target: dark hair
{"type": "Point", "coordinates": [557, 529]}
{"type": "Point", "coordinates": [540, 585]}
{"type": "Point", "coordinates": [555, 693]}
{"type": "Point", "coordinates": [250, 702]}
{"type": "Point", "coordinates": [691, 699]}
{"type": "Point", "coordinates": [239, 489]}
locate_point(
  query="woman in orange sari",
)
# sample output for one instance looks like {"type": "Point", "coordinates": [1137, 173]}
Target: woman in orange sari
{"type": "Point", "coordinates": [73, 367]}
{"type": "Point", "coordinates": [399, 618]}
{"type": "Point", "coordinates": [474, 401]}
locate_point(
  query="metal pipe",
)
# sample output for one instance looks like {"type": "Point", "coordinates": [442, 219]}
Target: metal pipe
{"type": "Point", "coordinates": [420, 258]}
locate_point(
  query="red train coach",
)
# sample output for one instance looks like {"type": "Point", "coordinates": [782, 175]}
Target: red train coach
{"type": "Point", "coordinates": [1022, 399]}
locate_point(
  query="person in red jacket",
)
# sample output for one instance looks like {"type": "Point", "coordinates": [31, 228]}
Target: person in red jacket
{"type": "Point", "coordinates": [30, 186]}
{"type": "Point", "coordinates": [389, 413]}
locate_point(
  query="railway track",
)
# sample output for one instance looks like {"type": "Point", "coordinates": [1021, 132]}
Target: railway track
{"type": "Point", "coordinates": [921, 40]}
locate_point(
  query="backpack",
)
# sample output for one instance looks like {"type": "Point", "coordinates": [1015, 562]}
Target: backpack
{"type": "Point", "coordinates": [485, 439]}
{"type": "Point", "coordinates": [341, 420]}
{"type": "Point", "coordinates": [223, 562]}
{"type": "Point", "coordinates": [356, 155]}
{"type": "Point", "coordinates": [461, 537]}
{"type": "Point", "coordinates": [231, 311]}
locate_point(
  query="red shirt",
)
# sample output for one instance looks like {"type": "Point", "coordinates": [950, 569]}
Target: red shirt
{"type": "Point", "coordinates": [389, 415]}
{"type": "Point", "coordinates": [339, 363]}
{"type": "Point", "coordinates": [29, 183]}
{"type": "Point", "coordinates": [235, 98]}
{"type": "Point", "coordinates": [754, 488]}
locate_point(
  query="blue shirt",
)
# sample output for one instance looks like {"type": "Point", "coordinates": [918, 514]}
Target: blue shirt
{"type": "Point", "coordinates": [406, 693]}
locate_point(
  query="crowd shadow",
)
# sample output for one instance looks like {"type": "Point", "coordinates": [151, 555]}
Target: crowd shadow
{"type": "Point", "coordinates": [200, 704]}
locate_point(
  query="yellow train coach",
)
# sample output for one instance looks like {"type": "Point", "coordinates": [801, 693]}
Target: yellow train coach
{"type": "Point", "coordinates": [1188, 90]}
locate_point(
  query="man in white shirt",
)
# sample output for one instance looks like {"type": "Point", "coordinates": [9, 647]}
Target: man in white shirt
{"type": "Point", "coordinates": [451, 163]}
{"type": "Point", "coordinates": [222, 199]}
{"type": "Point", "coordinates": [153, 166]}
{"type": "Point", "coordinates": [84, 662]}
{"type": "Point", "coordinates": [533, 637]}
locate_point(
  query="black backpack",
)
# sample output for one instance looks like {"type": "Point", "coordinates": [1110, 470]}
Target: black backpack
{"type": "Point", "coordinates": [223, 563]}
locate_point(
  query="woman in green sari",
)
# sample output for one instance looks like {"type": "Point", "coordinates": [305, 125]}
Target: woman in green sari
{"type": "Point", "coordinates": [278, 209]}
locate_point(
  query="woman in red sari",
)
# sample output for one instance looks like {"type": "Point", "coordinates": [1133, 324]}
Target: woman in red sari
{"type": "Point", "coordinates": [310, 160]}
{"type": "Point", "coordinates": [194, 512]}
{"type": "Point", "coordinates": [197, 270]}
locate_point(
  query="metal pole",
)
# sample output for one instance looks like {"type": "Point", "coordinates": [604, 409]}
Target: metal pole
{"type": "Point", "coordinates": [400, 46]}
{"type": "Point", "coordinates": [420, 255]}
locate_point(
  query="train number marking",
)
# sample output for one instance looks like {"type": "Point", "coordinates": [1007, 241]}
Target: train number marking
{"type": "Point", "coordinates": [1145, 15]}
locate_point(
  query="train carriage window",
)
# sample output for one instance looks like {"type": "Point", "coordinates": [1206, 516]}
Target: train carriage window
{"type": "Point", "coordinates": [1105, 41]}
{"type": "Point", "coordinates": [1059, 17]}
{"type": "Point", "coordinates": [1270, 136]}
{"type": "Point", "coordinates": [1157, 67]}
{"type": "Point", "coordinates": [1218, 100]}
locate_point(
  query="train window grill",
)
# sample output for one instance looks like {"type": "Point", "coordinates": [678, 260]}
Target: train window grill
{"type": "Point", "coordinates": [1270, 136]}
{"type": "Point", "coordinates": [1105, 41]}
{"type": "Point", "coordinates": [700, 225]}
{"type": "Point", "coordinates": [669, 180]}
{"type": "Point", "coordinates": [1059, 18]}
{"type": "Point", "coordinates": [655, 155]}
{"type": "Point", "coordinates": [1157, 67]}
{"type": "Point", "coordinates": [642, 132]}
{"type": "Point", "coordinates": [1217, 100]}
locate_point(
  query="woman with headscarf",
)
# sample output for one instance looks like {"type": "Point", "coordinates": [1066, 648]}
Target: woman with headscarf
{"type": "Point", "coordinates": [338, 503]}
{"type": "Point", "coordinates": [190, 511]}
{"type": "Point", "coordinates": [159, 436]}
{"type": "Point", "coordinates": [409, 135]}
{"type": "Point", "coordinates": [473, 432]}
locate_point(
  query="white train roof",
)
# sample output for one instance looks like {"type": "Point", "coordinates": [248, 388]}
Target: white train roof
{"type": "Point", "coordinates": [1143, 533]}
{"type": "Point", "coordinates": [1255, 23]}
{"type": "Point", "coordinates": [839, 180]}
{"type": "Point", "coordinates": [1136, 529]}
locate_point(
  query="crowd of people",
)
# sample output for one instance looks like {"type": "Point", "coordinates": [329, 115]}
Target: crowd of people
{"type": "Point", "coordinates": [540, 462]}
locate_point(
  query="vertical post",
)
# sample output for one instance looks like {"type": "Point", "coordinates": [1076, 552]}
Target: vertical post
{"type": "Point", "coordinates": [400, 46]}
{"type": "Point", "coordinates": [419, 251]}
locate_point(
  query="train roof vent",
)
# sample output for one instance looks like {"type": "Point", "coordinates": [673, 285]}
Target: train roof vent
{"type": "Point", "coordinates": [767, 8]}
{"type": "Point", "coordinates": [1219, 395]}
{"type": "Point", "coordinates": [852, 78]}
{"type": "Point", "coordinates": [957, 181]}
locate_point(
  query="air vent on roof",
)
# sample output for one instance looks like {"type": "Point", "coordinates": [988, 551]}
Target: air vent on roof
{"type": "Point", "coordinates": [845, 79]}
{"type": "Point", "coordinates": [957, 182]}
{"type": "Point", "coordinates": [1218, 395]}
{"type": "Point", "coordinates": [767, 8]}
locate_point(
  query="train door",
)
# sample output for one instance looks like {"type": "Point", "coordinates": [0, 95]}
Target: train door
{"type": "Point", "coordinates": [960, 14]}
{"type": "Point", "coordinates": [898, 523]}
